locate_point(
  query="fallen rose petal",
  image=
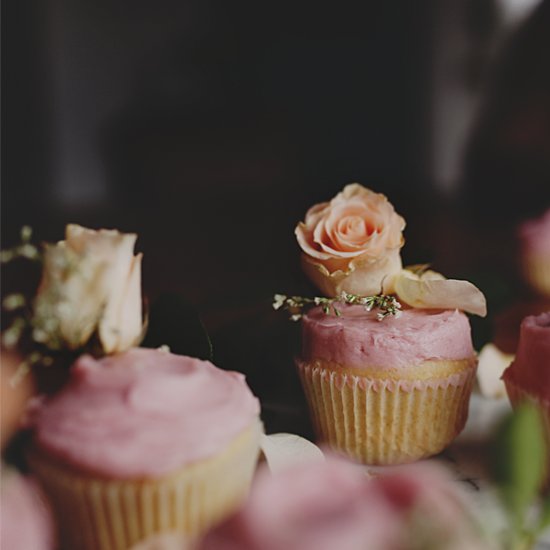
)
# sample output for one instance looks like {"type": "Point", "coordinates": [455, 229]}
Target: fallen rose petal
{"type": "Point", "coordinates": [491, 364]}
{"type": "Point", "coordinates": [433, 291]}
{"type": "Point", "coordinates": [283, 449]}
{"type": "Point", "coordinates": [166, 541]}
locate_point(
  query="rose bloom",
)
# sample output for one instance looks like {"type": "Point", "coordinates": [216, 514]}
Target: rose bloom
{"type": "Point", "coordinates": [352, 243]}
{"type": "Point", "coordinates": [91, 283]}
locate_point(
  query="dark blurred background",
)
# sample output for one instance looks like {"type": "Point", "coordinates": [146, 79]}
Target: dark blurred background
{"type": "Point", "coordinates": [209, 127]}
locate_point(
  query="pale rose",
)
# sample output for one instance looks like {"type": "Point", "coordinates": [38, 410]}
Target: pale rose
{"type": "Point", "coordinates": [91, 283]}
{"type": "Point", "coordinates": [352, 243]}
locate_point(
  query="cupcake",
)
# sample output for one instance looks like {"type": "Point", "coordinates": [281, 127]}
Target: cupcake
{"type": "Point", "coordinates": [144, 442]}
{"type": "Point", "coordinates": [391, 391]}
{"type": "Point", "coordinates": [384, 386]}
{"type": "Point", "coordinates": [26, 520]}
{"type": "Point", "coordinates": [528, 377]}
{"type": "Point", "coordinates": [334, 504]}
{"type": "Point", "coordinates": [534, 238]}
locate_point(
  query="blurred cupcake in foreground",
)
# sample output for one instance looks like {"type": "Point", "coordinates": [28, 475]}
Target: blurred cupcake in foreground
{"type": "Point", "coordinates": [528, 377]}
{"type": "Point", "coordinates": [26, 520]}
{"type": "Point", "coordinates": [534, 238]}
{"type": "Point", "coordinates": [334, 504]}
{"type": "Point", "coordinates": [141, 443]}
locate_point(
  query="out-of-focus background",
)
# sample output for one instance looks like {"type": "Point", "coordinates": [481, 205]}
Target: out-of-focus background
{"type": "Point", "coordinates": [209, 127]}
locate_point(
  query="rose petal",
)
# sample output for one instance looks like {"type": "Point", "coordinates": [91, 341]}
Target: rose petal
{"type": "Point", "coordinates": [121, 324]}
{"type": "Point", "coordinates": [164, 541]}
{"type": "Point", "coordinates": [363, 275]}
{"type": "Point", "coordinates": [283, 449]}
{"type": "Point", "coordinates": [432, 290]}
{"type": "Point", "coordinates": [491, 364]}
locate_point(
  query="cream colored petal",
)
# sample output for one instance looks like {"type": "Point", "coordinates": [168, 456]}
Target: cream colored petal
{"type": "Point", "coordinates": [80, 304]}
{"type": "Point", "coordinates": [121, 323]}
{"type": "Point", "coordinates": [283, 449]}
{"type": "Point", "coordinates": [69, 299]}
{"type": "Point", "coordinates": [491, 364]}
{"type": "Point", "coordinates": [365, 276]}
{"type": "Point", "coordinates": [164, 541]}
{"type": "Point", "coordinates": [434, 292]}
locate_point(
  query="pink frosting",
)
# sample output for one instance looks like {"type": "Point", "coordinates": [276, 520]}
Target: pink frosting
{"type": "Point", "coordinates": [358, 339]}
{"type": "Point", "coordinates": [143, 413]}
{"type": "Point", "coordinates": [335, 505]}
{"type": "Point", "coordinates": [535, 234]}
{"type": "Point", "coordinates": [531, 368]}
{"type": "Point", "coordinates": [26, 522]}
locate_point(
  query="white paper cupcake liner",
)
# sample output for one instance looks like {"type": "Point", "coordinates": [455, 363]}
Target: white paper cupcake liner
{"type": "Point", "coordinates": [378, 422]}
{"type": "Point", "coordinates": [103, 514]}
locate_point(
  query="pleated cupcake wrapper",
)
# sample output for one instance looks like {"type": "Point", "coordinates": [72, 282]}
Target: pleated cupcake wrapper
{"type": "Point", "coordinates": [98, 514]}
{"type": "Point", "coordinates": [380, 423]}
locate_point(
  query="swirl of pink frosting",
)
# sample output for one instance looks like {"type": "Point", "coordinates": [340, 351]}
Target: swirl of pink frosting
{"type": "Point", "coordinates": [531, 366]}
{"type": "Point", "coordinates": [143, 413]}
{"type": "Point", "coordinates": [358, 339]}
{"type": "Point", "coordinates": [535, 234]}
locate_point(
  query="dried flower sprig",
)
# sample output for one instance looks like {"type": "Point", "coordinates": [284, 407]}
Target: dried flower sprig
{"type": "Point", "coordinates": [25, 249]}
{"type": "Point", "coordinates": [388, 305]}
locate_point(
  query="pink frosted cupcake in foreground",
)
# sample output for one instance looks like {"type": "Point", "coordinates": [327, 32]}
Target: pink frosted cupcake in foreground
{"type": "Point", "coordinates": [534, 238]}
{"type": "Point", "coordinates": [385, 384]}
{"type": "Point", "coordinates": [528, 377]}
{"type": "Point", "coordinates": [335, 505]}
{"type": "Point", "coordinates": [144, 442]}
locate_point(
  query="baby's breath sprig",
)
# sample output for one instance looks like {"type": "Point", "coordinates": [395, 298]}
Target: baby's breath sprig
{"type": "Point", "coordinates": [388, 305]}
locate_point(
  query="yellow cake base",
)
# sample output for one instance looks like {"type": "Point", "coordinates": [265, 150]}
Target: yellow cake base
{"type": "Point", "coordinates": [377, 420]}
{"type": "Point", "coordinates": [104, 514]}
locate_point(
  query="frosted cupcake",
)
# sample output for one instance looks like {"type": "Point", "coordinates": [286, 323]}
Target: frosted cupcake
{"type": "Point", "coordinates": [534, 236]}
{"type": "Point", "coordinates": [384, 386]}
{"type": "Point", "coordinates": [391, 391]}
{"type": "Point", "coordinates": [528, 377]}
{"type": "Point", "coordinates": [144, 442]}
{"type": "Point", "coordinates": [334, 505]}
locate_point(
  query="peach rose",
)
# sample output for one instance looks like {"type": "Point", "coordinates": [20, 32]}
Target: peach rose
{"type": "Point", "coordinates": [352, 243]}
{"type": "Point", "coordinates": [91, 283]}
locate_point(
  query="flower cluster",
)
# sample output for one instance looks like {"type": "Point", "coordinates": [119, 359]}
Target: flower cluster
{"type": "Point", "coordinates": [351, 247]}
{"type": "Point", "coordinates": [387, 305]}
